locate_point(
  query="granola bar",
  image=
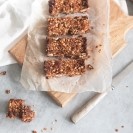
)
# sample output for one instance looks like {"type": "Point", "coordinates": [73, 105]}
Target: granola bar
{"type": "Point", "coordinates": [68, 67]}
{"type": "Point", "coordinates": [67, 6]}
{"type": "Point", "coordinates": [67, 47]}
{"type": "Point", "coordinates": [68, 26]}
{"type": "Point", "coordinates": [14, 108]}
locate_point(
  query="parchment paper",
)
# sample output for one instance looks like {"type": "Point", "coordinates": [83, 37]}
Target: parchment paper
{"type": "Point", "coordinates": [98, 79]}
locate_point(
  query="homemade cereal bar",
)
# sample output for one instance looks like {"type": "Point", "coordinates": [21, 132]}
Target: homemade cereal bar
{"type": "Point", "coordinates": [66, 67]}
{"type": "Point", "coordinates": [67, 6]}
{"type": "Point", "coordinates": [68, 26]}
{"type": "Point", "coordinates": [67, 47]}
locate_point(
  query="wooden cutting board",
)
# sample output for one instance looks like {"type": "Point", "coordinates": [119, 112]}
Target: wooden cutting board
{"type": "Point", "coordinates": [119, 25]}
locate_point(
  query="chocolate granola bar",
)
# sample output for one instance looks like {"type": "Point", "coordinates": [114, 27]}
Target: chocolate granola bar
{"type": "Point", "coordinates": [14, 108]}
{"type": "Point", "coordinates": [67, 6]}
{"type": "Point", "coordinates": [68, 26]}
{"type": "Point", "coordinates": [67, 47]}
{"type": "Point", "coordinates": [68, 67]}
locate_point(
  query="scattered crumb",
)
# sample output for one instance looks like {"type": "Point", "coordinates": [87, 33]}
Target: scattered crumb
{"type": "Point", "coordinates": [89, 56]}
{"type": "Point", "coordinates": [113, 87]}
{"type": "Point", "coordinates": [127, 86]}
{"type": "Point", "coordinates": [55, 120]}
{"type": "Point", "coordinates": [51, 128]}
{"type": "Point", "coordinates": [92, 50]}
{"type": "Point", "coordinates": [99, 50]}
{"type": "Point", "coordinates": [34, 131]}
{"type": "Point", "coordinates": [44, 129]}
{"type": "Point", "coordinates": [96, 47]}
{"type": "Point", "coordinates": [89, 67]}
{"type": "Point", "coordinates": [122, 126]}
{"type": "Point", "coordinates": [92, 27]}
{"type": "Point", "coordinates": [100, 45]}
{"type": "Point", "coordinates": [116, 130]}
{"type": "Point", "coordinates": [3, 73]}
{"type": "Point", "coordinates": [7, 91]}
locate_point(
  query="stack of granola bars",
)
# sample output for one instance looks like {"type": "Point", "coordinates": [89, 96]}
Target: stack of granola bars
{"type": "Point", "coordinates": [65, 38]}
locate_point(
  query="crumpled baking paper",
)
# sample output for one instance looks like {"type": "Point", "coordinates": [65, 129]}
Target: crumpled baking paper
{"type": "Point", "coordinates": [98, 79]}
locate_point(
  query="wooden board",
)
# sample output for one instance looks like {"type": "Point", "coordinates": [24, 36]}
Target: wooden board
{"type": "Point", "coordinates": [119, 25]}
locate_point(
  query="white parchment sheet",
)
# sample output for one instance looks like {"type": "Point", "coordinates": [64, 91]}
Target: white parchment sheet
{"type": "Point", "coordinates": [98, 79]}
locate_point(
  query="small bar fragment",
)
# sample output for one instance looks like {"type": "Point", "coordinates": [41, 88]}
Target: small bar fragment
{"type": "Point", "coordinates": [67, 6]}
{"type": "Point", "coordinates": [67, 47]}
{"type": "Point", "coordinates": [68, 67]}
{"type": "Point", "coordinates": [14, 108]}
{"type": "Point", "coordinates": [68, 26]}
{"type": "Point", "coordinates": [27, 115]}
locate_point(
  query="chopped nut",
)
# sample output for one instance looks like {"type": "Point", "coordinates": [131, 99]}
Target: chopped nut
{"type": "Point", "coordinates": [66, 67]}
{"type": "Point", "coordinates": [68, 26]}
{"type": "Point", "coordinates": [67, 47]}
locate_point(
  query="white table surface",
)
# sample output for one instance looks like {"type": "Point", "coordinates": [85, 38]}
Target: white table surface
{"type": "Point", "coordinates": [114, 111]}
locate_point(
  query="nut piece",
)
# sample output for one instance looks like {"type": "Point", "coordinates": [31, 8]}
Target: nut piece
{"type": "Point", "coordinates": [27, 114]}
{"type": "Point", "coordinates": [67, 6]}
{"type": "Point", "coordinates": [68, 26]}
{"type": "Point", "coordinates": [67, 47]}
{"type": "Point", "coordinates": [14, 108]}
{"type": "Point", "coordinates": [66, 67]}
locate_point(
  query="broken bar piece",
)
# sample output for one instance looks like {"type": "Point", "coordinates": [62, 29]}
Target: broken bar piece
{"type": "Point", "coordinates": [67, 6]}
{"type": "Point", "coordinates": [68, 67]}
{"type": "Point", "coordinates": [14, 108]}
{"type": "Point", "coordinates": [68, 26]}
{"type": "Point", "coordinates": [27, 114]}
{"type": "Point", "coordinates": [67, 47]}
